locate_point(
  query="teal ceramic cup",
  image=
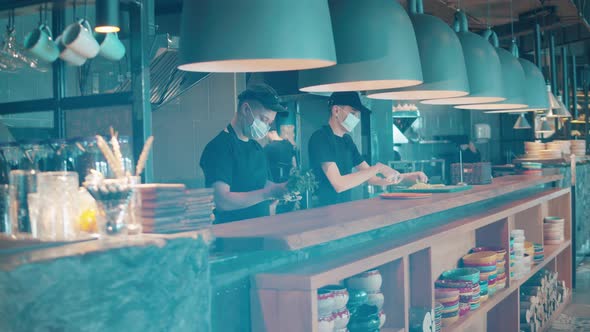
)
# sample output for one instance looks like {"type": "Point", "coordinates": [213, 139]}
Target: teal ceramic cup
{"type": "Point", "coordinates": [111, 47]}
{"type": "Point", "coordinates": [39, 42]}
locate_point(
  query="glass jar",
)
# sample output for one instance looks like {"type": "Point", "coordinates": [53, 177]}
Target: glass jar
{"type": "Point", "coordinates": [89, 158]}
{"type": "Point", "coordinates": [58, 205]}
{"type": "Point", "coordinates": [127, 153]}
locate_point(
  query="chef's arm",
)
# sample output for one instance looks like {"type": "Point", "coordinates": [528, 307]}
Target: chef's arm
{"type": "Point", "coordinates": [375, 180]}
{"type": "Point", "coordinates": [227, 200]}
{"type": "Point", "coordinates": [342, 183]}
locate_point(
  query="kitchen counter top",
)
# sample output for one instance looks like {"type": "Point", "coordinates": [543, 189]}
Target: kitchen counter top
{"type": "Point", "coordinates": [302, 229]}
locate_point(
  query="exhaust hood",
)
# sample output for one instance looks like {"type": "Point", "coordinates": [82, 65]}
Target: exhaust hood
{"type": "Point", "coordinates": [166, 80]}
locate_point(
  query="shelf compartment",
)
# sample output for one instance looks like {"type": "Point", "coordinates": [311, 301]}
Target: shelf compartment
{"type": "Point", "coordinates": [551, 253]}
{"type": "Point", "coordinates": [420, 279]}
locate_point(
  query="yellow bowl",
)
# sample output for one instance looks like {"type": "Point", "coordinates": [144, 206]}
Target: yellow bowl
{"type": "Point", "coordinates": [482, 257]}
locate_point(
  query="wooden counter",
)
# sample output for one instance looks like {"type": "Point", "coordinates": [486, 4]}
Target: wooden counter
{"type": "Point", "coordinates": [307, 228]}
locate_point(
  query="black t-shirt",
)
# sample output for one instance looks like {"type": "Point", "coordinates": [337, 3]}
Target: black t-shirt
{"type": "Point", "coordinates": [280, 159]}
{"type": "Point", "coordinates": [242, 165]}
{"type": "Point", "coordinates": [324, 146]}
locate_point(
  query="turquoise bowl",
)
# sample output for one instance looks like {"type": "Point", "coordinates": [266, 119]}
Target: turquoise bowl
{"type": "Point", "coordinates": [466, 274]}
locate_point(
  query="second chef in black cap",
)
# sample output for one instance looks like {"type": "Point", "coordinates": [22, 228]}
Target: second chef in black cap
{"type": "Point", "coordinates": [333, 155]}
{"type": "Point", "coordinates": [235, 165]}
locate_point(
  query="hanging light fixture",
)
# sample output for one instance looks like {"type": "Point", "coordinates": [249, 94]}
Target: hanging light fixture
{"type": "Point", "coordinates": [381, 53]}
{"type": "Point", "coordinates": [521, 122]}
{"type": "Point", "coordinates": [483, 69]}
{"type": "Point", "coordinates": [545, 127]}
{"type": "Point", "coordinates": [559, 112]}
{"type": "Point", "coordinates": [441, 56]}
{"type": "Point", "coordinates": [535, 95]}
{"type": "Point", "coordinates": [513, 80]}
{"type": "Point", "coordinates": [107, 16]}
{"type": "Point", "coordinates": [553, 103]}
{"type": "Point", "coordinates": [255, 35]}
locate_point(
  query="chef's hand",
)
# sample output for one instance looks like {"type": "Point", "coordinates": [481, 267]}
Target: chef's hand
{"type": "Point", "coordinates": [415, 177]}
{"type": "Point", "coordinates": [392, 176]}
{"type": "Point", "coordinates": [275, 190]}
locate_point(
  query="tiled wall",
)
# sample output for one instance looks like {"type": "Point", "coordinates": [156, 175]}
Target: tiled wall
{"type": "Point", "coordinates": [184, 126]}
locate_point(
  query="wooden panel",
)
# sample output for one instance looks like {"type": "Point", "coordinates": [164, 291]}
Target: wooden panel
{"type": "Point", "coordinates": [393, 290]}
{"type": "Point", "coordinates": [421, 282]}
{"type": "Point", "coordinates": [447, 253]}
{"type": "Point", "coordinates": [561, 207]}
{"type": "Point", "coordinates": [263, 309]}
{"type": "Point", "coordinates": [315, 226]}
{"type": "Point", "coordinates": [531, 221]}
{"type": "Point", "coordinates": [564, 266]}
{"type": "Point", "coordinates": [406, 262]}
{"type": "Point", "coordinates": [505, 315]}
{"type": "Point", "coordinates": [297, 311]}
{"type": "Point", "coordinates": [493, 235]}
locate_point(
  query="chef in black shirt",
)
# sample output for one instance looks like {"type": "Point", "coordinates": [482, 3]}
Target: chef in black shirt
{"type": "Point", "coordinates": [333, 154]}
{"type": "Point", "coordinates": [235, 165]}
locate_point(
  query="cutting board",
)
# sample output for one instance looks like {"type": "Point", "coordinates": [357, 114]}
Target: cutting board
{"type": "Point", "coordinates": [445, 189]}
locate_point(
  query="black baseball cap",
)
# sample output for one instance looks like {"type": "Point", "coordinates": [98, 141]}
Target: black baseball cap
{"type": "Point", "coordinates": [351, 99]}
{"type": "Point", "coordinates": [265, 95]}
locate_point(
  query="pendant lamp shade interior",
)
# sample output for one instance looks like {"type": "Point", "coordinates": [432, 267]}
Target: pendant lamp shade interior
{"type": "Point", "coordinates": [483, 69]}
{"type": "Point", "coordinates": [107, 16]}
{"type": "Point", "coordinates": [255, 35]}
{"type": "Point", "coordinates": [513, 81]}
{"type": "Point", "coordinates": [522, 122]}
{"type": "Point", "coordinates": [560, 112]}
{"type": "Point", "coordinates": [380, 53]}
{"type": "Point", "coordinates": [545, 127]}
{"type": "Point", "coordinates": [441, 57]}
{"type": "Point", "coordinates": [553, 103]}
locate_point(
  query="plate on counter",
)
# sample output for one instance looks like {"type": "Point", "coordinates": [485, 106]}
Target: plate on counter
{"type": "Point", "coordinates": [445, 189]}
{"type": "Point", "coordinates": [404, 195]}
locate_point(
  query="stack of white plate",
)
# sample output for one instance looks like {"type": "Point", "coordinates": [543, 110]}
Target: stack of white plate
{"type": "Point", "coordinates": [578, 147]}
{"type": "Point", "coordinates": [553, 230]}
{"type": "Point", "coordinates": [532, 149]}
{"type": "Point", "coordinates": [550, 154]}
{"type": "Point", "coordinates": [564, 146]}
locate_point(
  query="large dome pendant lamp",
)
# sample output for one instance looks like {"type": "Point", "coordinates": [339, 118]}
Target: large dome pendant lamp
{"type": "Point", "coordinates": [255, 35]}
{"type": "Point", "coordinates": [376, 49]}
{"type": "Point", "coordinates": [513, 79]}
{"type": "Point", "coordinates": [441, 57]}
{"type": "Point", "coordinates": [535, 89]}
{"type": "Point", "coordinates": [483, 69]}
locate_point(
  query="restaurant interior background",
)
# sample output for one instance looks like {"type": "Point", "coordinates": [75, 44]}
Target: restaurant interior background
{"type": "Point", "coordinates": [186, 116]}
{"type": "Point", "coordinates": [145, 94]}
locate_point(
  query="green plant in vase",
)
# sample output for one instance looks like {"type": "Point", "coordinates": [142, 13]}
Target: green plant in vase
{"type": "Point", "coordinates": [300, 183]}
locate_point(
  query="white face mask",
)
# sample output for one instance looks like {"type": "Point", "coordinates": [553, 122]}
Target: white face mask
{"type": "Point", "coordinates": [257, 129]}
{"type": "Point", "coordinates": [350, 122]}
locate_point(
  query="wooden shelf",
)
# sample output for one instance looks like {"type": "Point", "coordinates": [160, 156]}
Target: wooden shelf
{"type": "Point", "coordinates": [551, 252]}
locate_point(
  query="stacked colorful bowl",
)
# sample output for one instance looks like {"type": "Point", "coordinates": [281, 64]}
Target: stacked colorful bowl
{"type": "Point", "coordinates": [466, 274]}
{"type": "Point", "coordinates": [483, 291]}
{"type": "Point", "coordinates": [486, 262]}
{"type": "Point", "coordinates": [438, 308]}
{"type": "Point", "coordinates": [449, 298]}
{"type": "Point", "coordinates": [465, 289]}
{"type": "Point", "coordinates": [492, 285]}
{"type": "Point", "coordinates": [539, 253]}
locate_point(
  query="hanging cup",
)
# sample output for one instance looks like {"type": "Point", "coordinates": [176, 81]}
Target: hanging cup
{"type": "Point", "coordinates": [39, 42]}
{"type": "Point", "coordinates": [68, 55]}
{"type": "Point", "coordinates": [111, 47]}
{"type": "Point", "coordinates": [78, 38]}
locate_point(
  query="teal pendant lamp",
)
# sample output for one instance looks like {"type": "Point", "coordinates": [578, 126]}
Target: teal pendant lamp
{"type": "Point", "coordinates": [559, 112]}
{"type": "Point", "coordinates": [483, 69]}
{"type": "Point", "coordinates": [255, 35]}
{"type": "Point", "coordinates": [441, 57]}
{"type": "Point", "coordinates": [375, 45]}
{"type": "Point", "coordinates": [535, 92]}
{"type": "Point", "coordinates": [513, 80]}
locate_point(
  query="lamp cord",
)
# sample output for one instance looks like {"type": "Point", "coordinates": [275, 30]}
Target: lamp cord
{"type": "Point", "coordinates": [488, 14]}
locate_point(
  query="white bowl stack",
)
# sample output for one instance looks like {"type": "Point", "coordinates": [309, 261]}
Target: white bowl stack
{"type": "Point", "coordinates": [532, 149]}
{"type": "Point", "coordinates": [553, 230]}
{"type": "Point", "coordinates": [519, 264]}
{"type": "Point", "coordinates": [563, 146]}
{"type": "Point", "coordinates": [578, 147]}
